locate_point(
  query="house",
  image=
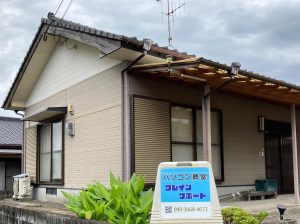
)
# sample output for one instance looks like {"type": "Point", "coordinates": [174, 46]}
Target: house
{"type": "Point", "coordinates": [11, 135]}
{"type": "Point", "coordinates": [96, 102]}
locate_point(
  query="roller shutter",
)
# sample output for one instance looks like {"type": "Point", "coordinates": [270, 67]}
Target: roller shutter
{"type": "Point", "coordinates": [151, 136]}
{"type": "Point", "coordinates": [30, 151]}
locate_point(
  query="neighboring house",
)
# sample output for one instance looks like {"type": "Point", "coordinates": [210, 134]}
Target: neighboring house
{"type": "Point", "coordinates": [11, 135]}
{"type": "Point", "coordinates": [88, 113]}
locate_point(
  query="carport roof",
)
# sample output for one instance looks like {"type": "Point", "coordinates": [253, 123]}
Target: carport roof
{"type": "Point", "coordinates": [213, 73]}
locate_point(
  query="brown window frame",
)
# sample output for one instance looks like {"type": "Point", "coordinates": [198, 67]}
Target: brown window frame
{"type": "Point", "coordinates": [52, 181]}
{"type": "Point", "coordinates": [194, 142]}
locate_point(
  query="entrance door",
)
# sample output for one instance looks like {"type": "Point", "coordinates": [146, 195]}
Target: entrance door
{"type": "Point", "coordinates": [279, 157]}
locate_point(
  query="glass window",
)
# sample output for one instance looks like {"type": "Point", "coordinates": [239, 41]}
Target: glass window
{"type": "Point", "coordinates": [57, 150]}
{"type": "Point", "coordinates": [182, 124]}
{"type": "Point", "coordinates": [187, 145]}
{"type": "Point", "coordinates": [50, 151]}
{"type": "Point", "coordinates": [182, 152]}
{"type": "Point", "coordinates": [182, 134]}
{"type": "Point", "coordinates": [45, 152]}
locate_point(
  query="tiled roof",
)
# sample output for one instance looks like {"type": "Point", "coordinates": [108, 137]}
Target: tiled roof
{"type": "Point", "coordinates": [57, 22]}
{"type": "Point", "coordinates": [11, 131]}
{"type": "Point", "coordinates": [66, 24]}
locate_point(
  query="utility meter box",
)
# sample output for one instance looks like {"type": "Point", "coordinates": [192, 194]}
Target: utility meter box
{"type": "Point", "coordinates": [185, 192]}
{"type": "Point", "coordinates": [21, 187]}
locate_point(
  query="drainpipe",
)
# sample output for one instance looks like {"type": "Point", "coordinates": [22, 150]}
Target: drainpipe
{"type": "Point", "coordinates": [206, 111]}
{"type": "Point", "coordinates": [206, 125]}
{"type": "Point", "coordinates": [23, 143]}
{"type": "Point", "coordinates": [126, 118]}
{"type": "Point", "coordinates": [295, 156]}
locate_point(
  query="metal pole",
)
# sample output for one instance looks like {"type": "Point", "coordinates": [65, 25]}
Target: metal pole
{"type": "Point", "coordinates": [204, 130]}
{"type": "Point", "coordinates": [295, 156]}
{"type": "Point", "coordinates": [206, 122]}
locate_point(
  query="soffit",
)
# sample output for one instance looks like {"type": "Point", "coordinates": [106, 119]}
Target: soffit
{"type": "Point", "coordinates": [213, 73]}
{"type": "Point", "coordinates": [32, 72]}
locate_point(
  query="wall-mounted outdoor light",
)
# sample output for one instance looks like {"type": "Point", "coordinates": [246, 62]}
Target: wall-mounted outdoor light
{"type": "Point", "coordinates": [261, 123]}
{"type": "Point", "coordinates": [233, 71]}
{"type": "Point", "coordinates": [147, 44]}
{"type": "Point", "coordinates": [235, 67]}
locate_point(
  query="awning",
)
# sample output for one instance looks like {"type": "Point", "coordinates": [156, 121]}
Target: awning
{"type": "Point", "coordinates": [46, 113]}
{"type": "Point", "coordinates": [10, 154]}
{"type": "Point", "coordinates": [200, 71]}
{"type": "Point", "coordinates": [10, 151]}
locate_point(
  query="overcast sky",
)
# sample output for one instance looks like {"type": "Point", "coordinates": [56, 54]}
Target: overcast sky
{"type": "Point", "coordinates": [263, 35]}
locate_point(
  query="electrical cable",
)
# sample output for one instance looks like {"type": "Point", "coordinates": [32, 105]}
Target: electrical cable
{"type": "Point", "coordinates": [67, 9]}
{"type": "Point", "coordinates": [58, 7]}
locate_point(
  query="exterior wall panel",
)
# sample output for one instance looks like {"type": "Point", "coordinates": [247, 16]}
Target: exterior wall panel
{"type": "Point", "coordinates": [96, 147]}
{"type": "Point", "coordinates": [242, 143]}
{"type": "Point", "coordinates": [66, 68]}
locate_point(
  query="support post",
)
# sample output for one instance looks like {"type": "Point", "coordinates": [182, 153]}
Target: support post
{"type": "Point", "coordinates": [295, 153]}
{"type": "Point", "coordinates": [206, 122]}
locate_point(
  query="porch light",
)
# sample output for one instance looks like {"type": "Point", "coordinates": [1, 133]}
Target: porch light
{"type": "Point", "coordinates": [235, 67]}
{"type": "Point", "coordinates": [233, 71]}
{"type": "Point", "coordinates": [261, 123]}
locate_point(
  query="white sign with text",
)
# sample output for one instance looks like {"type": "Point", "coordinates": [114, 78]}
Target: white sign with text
{"type": "Point", "coordinates": [185, 191]}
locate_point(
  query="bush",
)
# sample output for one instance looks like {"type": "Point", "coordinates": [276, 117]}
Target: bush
{"type": "Point", "coordinates": [239, 216]}
{"type": "Point", "coordinates": [124, 203]}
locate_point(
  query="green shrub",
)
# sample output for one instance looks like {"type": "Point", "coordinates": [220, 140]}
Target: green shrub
{"type": "Point", "coordinates": [124, 203]}
{"type": "Point", "coordinates": [239, 216]}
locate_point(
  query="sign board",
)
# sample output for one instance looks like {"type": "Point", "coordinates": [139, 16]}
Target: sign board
{"type": "Point", "coordinates": [185, 192]}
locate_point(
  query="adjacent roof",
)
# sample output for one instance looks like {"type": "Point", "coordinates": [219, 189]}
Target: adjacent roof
{"type": "Point", "coordinates": [11, 132]}
{"type": "Point", "coordinates": [215, 74]}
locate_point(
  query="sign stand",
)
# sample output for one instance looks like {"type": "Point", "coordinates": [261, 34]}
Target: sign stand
{"type": "Point", "coordinates": [185, 192]}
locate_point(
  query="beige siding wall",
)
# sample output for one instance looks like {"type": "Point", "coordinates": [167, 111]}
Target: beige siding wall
{"type": "Point", "coordinates": [242, 141]}
{"type": "Point", "coordinates": [66, 68]}
{"type": "Point", "coordinates": [96, 147]}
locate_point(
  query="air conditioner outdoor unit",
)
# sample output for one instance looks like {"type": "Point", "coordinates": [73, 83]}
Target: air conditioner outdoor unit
{"type": "Point", "coordinates": [21, 187]}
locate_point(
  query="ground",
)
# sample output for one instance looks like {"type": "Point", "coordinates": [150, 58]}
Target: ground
{"type": "Point", "coordinates": [270, 205]}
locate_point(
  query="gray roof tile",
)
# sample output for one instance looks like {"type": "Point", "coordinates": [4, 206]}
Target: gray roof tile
{"type": "Point", "coordinates": [11, 130]}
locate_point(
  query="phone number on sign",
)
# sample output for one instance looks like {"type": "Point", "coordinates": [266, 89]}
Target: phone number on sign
{"type": "Point", "coordinates": [190, 209]}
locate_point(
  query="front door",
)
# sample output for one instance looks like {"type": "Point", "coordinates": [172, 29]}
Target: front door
{"type": "Point", "coordinates": [279, 157]}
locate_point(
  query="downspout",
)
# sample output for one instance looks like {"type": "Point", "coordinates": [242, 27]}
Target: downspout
{"type": "Point", "coordinates": [23, 143]}
{"type": "Point", "coordinates": [126, 118]}
{"type": "Point", "coordinates": [295, 153]}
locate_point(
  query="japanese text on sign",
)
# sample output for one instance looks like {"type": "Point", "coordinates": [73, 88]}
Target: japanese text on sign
{"type": "Point", "coordinates": [185, 192]}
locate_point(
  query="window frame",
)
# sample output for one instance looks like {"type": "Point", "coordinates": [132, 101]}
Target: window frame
{"type": "Point", "coordinates": [40, 125]}
{"type": "Point", "coordinates": [194, 142]}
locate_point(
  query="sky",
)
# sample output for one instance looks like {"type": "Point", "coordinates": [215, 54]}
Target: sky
{"type": "Point", "coordinates": [263, 35]}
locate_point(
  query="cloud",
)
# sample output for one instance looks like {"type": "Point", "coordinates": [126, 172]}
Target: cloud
{"type": "Point", "coordinates": [261, 34]}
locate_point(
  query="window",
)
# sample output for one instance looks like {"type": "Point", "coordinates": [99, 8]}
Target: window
{"type": "Point", "coordinates": [187, 137]}
{"type": "Point", "coordinates": [51, 152]}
